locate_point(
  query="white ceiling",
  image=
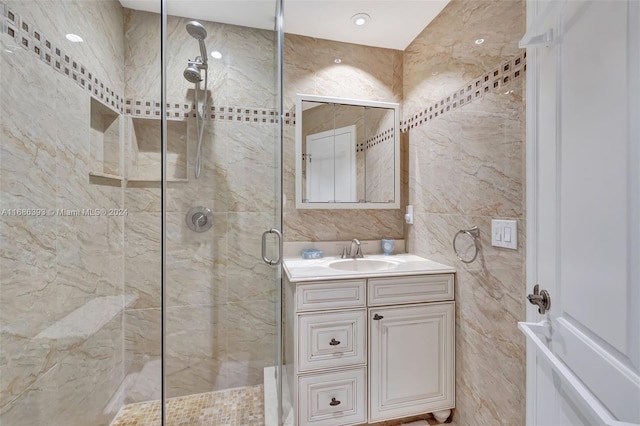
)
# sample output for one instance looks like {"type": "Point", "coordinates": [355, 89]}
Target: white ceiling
{"type": "Point", "coordinates": [394, 23]}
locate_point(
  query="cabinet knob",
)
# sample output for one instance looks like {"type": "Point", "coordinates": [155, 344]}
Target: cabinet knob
{"type": "Point", "coordinates": [377, 317]}
{"type": "Point", "coordinates": [334, 402]}
{"type": "Point", "coordinates": [334, 342]}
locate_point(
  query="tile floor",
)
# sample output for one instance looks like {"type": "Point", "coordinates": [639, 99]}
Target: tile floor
{"type": "Point", "coordinates": [232, 407]}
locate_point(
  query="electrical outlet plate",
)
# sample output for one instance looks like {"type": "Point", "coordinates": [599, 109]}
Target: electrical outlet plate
{"type": "Point", "coordinates": [504, 233]}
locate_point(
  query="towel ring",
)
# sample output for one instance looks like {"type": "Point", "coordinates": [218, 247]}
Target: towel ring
{"type": "Point", "coordinates": [474, 233]}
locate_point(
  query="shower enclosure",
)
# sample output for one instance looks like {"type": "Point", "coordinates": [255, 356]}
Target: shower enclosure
{"type": "Point", "coordinates": [130, 291]}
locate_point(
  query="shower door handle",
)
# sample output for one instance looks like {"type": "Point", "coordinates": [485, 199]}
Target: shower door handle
{"type": "Point", "coordinates": [264, 247]}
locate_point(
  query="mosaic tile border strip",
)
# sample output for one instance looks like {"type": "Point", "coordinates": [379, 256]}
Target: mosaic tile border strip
{"type": "Point", "coordinates": [27, 36]}
{"type": "Point", "coordinates": [475, 89]}
{"type": "Point", "coordinates": [181, 111]}
{"type": "Point", "coordinates": [385, 135]}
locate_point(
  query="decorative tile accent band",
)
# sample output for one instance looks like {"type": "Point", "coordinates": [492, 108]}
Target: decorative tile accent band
{"type": "Point", "coordinates": [494, 80]}
{"type": "Point", "coordinates": [183, 111]}
{"type": "Point", "coordinates": [383, 136]}
{"type": "Point", "coordinates": [25, 35]}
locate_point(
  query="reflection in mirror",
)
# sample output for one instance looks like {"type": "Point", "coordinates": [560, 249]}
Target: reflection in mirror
{"type": "Point", "coordinates": [380, 155]}
{"type": "Point", "coordinates": [346, 153]}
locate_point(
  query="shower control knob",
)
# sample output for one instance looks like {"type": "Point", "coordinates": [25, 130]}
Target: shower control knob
{"type": "Point", "coordinates": [199, 219]}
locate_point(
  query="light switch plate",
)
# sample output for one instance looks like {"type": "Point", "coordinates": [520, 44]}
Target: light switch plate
{"type": "Point", "coordinates": [504, 233]}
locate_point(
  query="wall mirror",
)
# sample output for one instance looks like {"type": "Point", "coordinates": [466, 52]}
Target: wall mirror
{"type": "Point", "coordinates": [347, 154]}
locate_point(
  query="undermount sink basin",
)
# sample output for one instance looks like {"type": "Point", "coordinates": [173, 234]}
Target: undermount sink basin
{"type": "Point", "coordinates": [363, 265]}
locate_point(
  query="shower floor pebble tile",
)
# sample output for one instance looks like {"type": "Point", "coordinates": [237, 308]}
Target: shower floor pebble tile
{"type": "Point", "coordinates": [233, 407]}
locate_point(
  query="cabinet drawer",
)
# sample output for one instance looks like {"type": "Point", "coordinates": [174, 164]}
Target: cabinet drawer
{"type": "Point", "coordinates": [332, 339]}
{"type": "Point", "coordinates": [330, 295]}
{"type": "Point", "coordinates": [415, 289]}
{"type": "Point", "coordinates": [332, 398]}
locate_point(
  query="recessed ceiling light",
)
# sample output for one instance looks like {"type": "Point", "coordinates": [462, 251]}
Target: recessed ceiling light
{"type": "Point", "coordinates": [216, 55]}
{"type": "Point", "coordinates": [360, 19]}
{"type": "Point", "coordinates": [74, 38]}
{"type": "Point", "coordinates": [479, 41]}
{"type": "Point", "coordinates": [337, 60]}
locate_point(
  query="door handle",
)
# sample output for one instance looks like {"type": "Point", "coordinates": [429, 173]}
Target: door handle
{"type": "Point", "coordinates": [266, 260]}
{"type": "Point", "coordinates": [542, 299]}
{"type": "Point", "coordinates": [377, 317]}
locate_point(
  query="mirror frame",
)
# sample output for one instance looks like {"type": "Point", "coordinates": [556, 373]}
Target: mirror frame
{"type": "Point", "coordinates": [298, 153]}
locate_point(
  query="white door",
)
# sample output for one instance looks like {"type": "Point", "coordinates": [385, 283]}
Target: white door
{"type": "Point", "coordinates": [331, 166]}
{"type": "Point", "coordinates": [583, 212]}
{"type": "Point", "coordinates": [320, 167]}
{"type": "Point", "coordinates": [411, 360]}
{"type": "Point", "coordinates": [345, 158]}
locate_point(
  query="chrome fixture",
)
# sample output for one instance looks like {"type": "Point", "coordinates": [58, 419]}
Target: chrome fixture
{"type": "Point", "coordinates": [474, 234]}
{"type": "Point", "coordinates": [199, 32]}
{"type": "Point", "coordinates": [193, 74]}
{"type": "Point", "coordinates": [542, 299]}
{"type": "Point", "coordinates": [199, 219]}
{"type": "Point", "coordinates": [278, 234]}
{"type": "Point", "coordinates": [357, 253]}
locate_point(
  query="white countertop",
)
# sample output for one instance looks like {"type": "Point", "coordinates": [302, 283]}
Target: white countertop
{"type": "Point", "coordinates": [303, 270]}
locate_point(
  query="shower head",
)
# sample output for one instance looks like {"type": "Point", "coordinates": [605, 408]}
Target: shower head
{"type": "Point", "coordinates": [199, 32]}
{"type": "Point", "coordinates": [196, 30]}
{"type": "Point", "coordinates": [192, 74]}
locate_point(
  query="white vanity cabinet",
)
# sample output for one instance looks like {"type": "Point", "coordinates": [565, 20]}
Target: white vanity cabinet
{"type": "Point", "coordinates": [366, 350]}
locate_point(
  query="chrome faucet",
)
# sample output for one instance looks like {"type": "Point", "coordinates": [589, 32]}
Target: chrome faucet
{"type": "Point", "coordinates": [350, 252]}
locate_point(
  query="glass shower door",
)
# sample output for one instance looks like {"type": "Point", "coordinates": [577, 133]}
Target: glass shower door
{"type": "Point", "coordinates": [85, 308]}
{"type": "Point", "coordinates": [77, 262]}
{"type": "Point", "coordinates": [222, 192]}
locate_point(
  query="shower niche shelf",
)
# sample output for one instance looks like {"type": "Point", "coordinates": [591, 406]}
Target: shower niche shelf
{"type": "Point", "coordinates": [144, 158]}
{"type": "Point", "coordinates": [105, 143]}
{"type": "Point", "coordinates": [105, 176]}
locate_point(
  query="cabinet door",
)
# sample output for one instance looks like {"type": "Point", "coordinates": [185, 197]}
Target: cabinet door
{"type": "Point", "coordinates": [411, 360]}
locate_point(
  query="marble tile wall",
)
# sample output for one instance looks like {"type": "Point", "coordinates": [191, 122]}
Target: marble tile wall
{"type": "Point", "coordinates": [364, 73]}
{"type": "Point", "coordinates": [221, 323]}
{"type": "Point", "coordinates": [465, 168]}
{"type": "Point", "coordinates": [54, 265]}
{"type": "Point", "coordinates": [237, 79]}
